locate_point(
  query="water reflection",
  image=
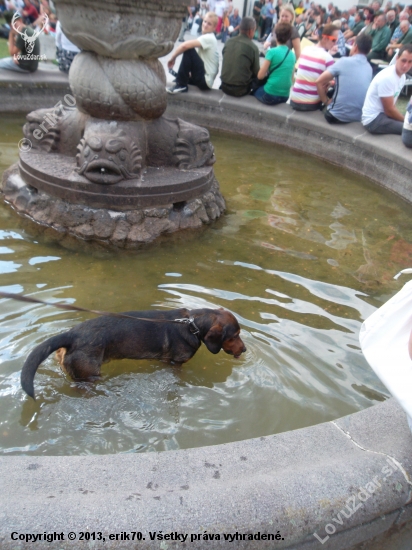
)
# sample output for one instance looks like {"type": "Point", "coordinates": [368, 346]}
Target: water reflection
{"type": "Point", "coordinates": [301, 258]}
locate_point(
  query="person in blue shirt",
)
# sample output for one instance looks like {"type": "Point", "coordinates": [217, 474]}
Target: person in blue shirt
{"type": "Point", "coordinates": [234, 21]}
{"type": "Point", "coordinates": [352, 76]}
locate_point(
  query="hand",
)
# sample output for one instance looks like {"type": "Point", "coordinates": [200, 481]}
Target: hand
{"type": "Point", "coordinates": [333, 50]}
{"type": "Point", "coordinates": [170, 63]}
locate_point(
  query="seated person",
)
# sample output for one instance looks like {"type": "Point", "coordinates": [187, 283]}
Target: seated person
{"type": "Point", "coordinates": [200, 61]}
{"type": "Point", "coordinates": [200, 15]}
{"type": "Point", "coordinates": [406, 38]}
{"type": "Point", "coordinates": [29, 13]}
{"type": "Point", "coordinates": [279, 65]}
{"type": "Point", "coordinates": [341, 39]}
{"type": "Point", "coordinates": [14, 5]}
{"type": "Point", "coordinates": [240, 60]}
{"type": "Point", "coordinates": [220, 7]}
{"type": "Point", "coordinates": [45, 10]}
{"type": "Point", "coordinates": [234, 21]}
{"type": "Point", "coordinates": [391, 20]}
{"type": "Point", "coordinates": [318, 16]}
{"type": "Point", "coordinates": [257, 7]}
{"type": "Point", "coordinates": [352, 78]}
{"type": "Point", "coordinates": [398, 32]}
{"type": "Point", "coordinates": [266, 19]}
{"type": "Point", "coordinates": [345, 21]}
{"type": "Point", "coordinates": [287, 15]}
{"type": "Point", "coordinates": [305, 27]}
{"type": "Point", "coordinates": [381, 35]}
{"type": "Point", "coordinates": [300, 9]}
{"type": "Point", "coordinates": [20, 60]}
{"type": "Point", "coordinates": [224, 31]}
{"type": "Point", "coordinates": [358, 26]}
{"type": "Point", "coordinates": [313, 61]}
{"type": "Point", "coordinates": [379, 113]}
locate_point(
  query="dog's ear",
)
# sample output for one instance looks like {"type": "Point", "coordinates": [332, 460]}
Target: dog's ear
{"type": "Point", "coordinates": [214, 339]}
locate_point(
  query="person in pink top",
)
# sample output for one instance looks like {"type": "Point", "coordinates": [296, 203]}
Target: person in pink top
{"type": "Point", "coordinates": [314, 60]}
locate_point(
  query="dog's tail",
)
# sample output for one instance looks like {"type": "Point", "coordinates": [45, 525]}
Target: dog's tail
{"type": "Point", "coordinates": [37, 356]}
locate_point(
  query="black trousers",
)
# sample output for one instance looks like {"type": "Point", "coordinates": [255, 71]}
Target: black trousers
{"type": "Point", "coordinates": [192, 70]}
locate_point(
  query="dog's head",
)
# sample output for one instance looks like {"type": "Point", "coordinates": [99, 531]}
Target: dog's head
{"type": "Point", "coordinates": [224, 334]}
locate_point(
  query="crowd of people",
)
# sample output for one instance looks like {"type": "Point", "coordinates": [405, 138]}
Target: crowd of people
{"type": "Point", "coordinates": [352, 65]}
{"type": "Point", "coordinates": [315, 58]}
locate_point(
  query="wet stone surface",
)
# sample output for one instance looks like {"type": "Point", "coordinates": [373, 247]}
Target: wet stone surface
{"type": "Point", "coordinates": [120, 229]}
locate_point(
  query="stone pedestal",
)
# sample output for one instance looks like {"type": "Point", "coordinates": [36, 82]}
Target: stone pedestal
{"type": "Point", "coordinates": [122, 228]}
{"type": "Point", "coordinates": [106, 151]}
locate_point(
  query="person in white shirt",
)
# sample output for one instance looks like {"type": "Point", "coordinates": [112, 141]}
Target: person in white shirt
{"type": "Point", "coordinates": [379, 113]}
{"type": "Point", "coordinates": [200, 61]}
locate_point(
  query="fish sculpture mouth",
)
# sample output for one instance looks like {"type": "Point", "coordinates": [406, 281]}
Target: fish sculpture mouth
{"type": "Point", "coordinates": [103, 171]}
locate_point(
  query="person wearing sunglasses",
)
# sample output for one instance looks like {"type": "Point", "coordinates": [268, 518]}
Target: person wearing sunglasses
{"type": "Point", "coordinates": [313, 61]}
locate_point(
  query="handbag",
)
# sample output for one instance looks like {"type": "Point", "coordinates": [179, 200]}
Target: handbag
{"type": "Point", "coordinates": [258, 82]}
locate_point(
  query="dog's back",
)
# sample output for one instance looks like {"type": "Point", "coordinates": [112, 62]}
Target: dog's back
{"type": "Point", "coordinates": [86, 346]}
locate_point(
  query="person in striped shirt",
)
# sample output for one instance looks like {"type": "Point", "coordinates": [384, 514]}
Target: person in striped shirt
{"type": "Point", "coordinates": [313, 61]}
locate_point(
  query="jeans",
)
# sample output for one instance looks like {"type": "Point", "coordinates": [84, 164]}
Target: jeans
{"type": "Point", "coordinates": [382, 124]}
{"type": "Point", "coordinates": [9, 64]}
{"type": "Point", "coordinates": [407, 138]}
{"type": "Point", "coordinates": [269, 99]}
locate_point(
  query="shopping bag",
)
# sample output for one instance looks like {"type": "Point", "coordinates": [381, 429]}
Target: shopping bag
{"type": "Point", "coordinates": [384, 339]}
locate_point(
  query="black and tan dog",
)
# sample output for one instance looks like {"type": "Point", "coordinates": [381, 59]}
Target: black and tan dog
{"type": "Point", "coordinates": [82, 350]}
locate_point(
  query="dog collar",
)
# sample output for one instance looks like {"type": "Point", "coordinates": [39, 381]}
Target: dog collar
{"type": "Point", "coordinates": [192, 325]}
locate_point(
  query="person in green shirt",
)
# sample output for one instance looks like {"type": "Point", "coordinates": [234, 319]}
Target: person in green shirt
{"type": "Point", "coordinates": [406, 38]}
{"type": "Point", "coordinates": [381, 36]}
{"type": "Point", "coordinates": [358, 26]}
{"type": "Point", "coordinates": [279, 65]}
{"type": "Point", "coordinates": [240, 60]}
{"type": "Point", "coordinates": [24, 58]}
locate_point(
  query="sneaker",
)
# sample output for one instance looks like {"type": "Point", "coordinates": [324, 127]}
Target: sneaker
{"type": "Point", "coordinates": [177, 89]}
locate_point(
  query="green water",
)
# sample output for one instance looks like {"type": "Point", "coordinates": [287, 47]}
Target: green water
{"type": "Point", "coordinates": [305, 252]}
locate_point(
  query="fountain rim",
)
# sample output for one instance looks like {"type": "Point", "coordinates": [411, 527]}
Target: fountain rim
{"type": "Point", "coordinates": [286, 482]}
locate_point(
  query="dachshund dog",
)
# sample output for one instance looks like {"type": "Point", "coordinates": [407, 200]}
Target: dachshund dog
{"type": "Point", "coordinates": [172, 336]}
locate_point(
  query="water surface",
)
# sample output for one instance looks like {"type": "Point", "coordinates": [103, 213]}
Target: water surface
{"type": "Point", "coordinates": [305, 252]}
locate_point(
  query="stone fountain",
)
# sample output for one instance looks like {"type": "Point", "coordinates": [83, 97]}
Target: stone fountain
{"type": "Point", "coordinates": [106, 163]}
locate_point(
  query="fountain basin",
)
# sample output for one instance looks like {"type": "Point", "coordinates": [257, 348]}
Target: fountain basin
{"type": "Point", "coordinates": [293, 483]}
